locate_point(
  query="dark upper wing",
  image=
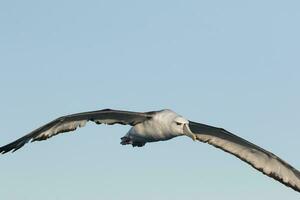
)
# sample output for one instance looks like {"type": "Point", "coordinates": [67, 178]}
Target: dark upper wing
{"type": "Point", "coordinates": [257, 157]}
{"type": "Point", "coordinates": [71, 122]}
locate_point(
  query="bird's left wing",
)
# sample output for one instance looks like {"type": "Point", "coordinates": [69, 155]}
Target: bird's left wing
{"type": "Point", "coordinates": [259, 158]}
{"type": "Point", "coordinates": [72, 122]}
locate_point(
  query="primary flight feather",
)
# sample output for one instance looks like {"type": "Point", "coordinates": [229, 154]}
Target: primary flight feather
{"type": "Point", "coordinates": [164, 125]}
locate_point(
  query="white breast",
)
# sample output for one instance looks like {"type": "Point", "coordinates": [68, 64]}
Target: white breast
{"type": "Point", "coordinates": [156, 129]}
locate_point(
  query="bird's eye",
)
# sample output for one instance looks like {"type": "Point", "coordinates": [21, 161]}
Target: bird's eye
{"type": "Point", "coordinates": [178, 123]}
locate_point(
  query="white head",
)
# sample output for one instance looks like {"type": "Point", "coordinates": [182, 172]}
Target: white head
{"type": "Point", "coordinates": [181, 125]}
{"type": "Point", "coordinates": [177, 124]}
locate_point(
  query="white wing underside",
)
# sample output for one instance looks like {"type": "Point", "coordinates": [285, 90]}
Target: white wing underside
{"type": "Point", "coordinates": [260, 159]}
{"type": "Point", "coordinates": [68, 126]}
{"type": "Point", "coordinates": [72, 122]}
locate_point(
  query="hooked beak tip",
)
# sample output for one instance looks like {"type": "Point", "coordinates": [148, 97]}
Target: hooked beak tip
{"type": "Point", "coordinates": [188, 132]}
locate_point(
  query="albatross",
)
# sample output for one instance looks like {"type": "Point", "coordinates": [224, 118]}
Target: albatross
{"type": "Point", "coordinates": [163, 125]}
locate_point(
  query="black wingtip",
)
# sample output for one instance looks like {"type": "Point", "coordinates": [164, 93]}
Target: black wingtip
{"type": "Point", "coordinates": [4, 150]}
{"type": "Point", "coordinates": [14, 146]}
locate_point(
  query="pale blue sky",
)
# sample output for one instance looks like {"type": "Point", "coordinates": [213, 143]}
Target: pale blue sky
{"type": "Point", "coordinates": [233, 64]}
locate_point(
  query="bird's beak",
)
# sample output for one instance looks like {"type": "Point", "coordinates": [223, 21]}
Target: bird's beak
{"type": "Point", "coordinates": [187, 131]}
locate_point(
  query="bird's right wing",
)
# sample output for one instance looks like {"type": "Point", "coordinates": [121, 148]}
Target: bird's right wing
{"type": "Point", "coordinates": [72, 122]}
{"type": "Point", "coordinates": [259, 158]}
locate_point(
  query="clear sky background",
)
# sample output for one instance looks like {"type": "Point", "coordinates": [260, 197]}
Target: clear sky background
{"type": "Point", "coordinates": [232, 64]}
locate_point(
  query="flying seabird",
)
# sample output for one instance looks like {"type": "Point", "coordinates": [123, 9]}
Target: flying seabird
{"type": "Point", "coordinates": [164, 125]}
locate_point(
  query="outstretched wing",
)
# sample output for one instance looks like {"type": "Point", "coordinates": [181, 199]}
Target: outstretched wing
{"type": "Point", "coordinates": [72, 122]}
{"type": "Point", "coordinates": [257, 157]}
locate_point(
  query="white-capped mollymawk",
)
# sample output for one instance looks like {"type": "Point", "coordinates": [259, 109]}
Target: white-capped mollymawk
{"type": "Point", "coordinates": [164, 125]}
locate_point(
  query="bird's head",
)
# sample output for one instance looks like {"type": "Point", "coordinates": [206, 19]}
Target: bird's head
{"type": "Point", "coordinates": [181, 125]}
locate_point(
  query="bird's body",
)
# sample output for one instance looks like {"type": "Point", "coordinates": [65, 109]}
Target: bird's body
{"type": "Point", "coordinates": [164, 125]}
{"type": "Point", "coordinates": [160, 127]}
